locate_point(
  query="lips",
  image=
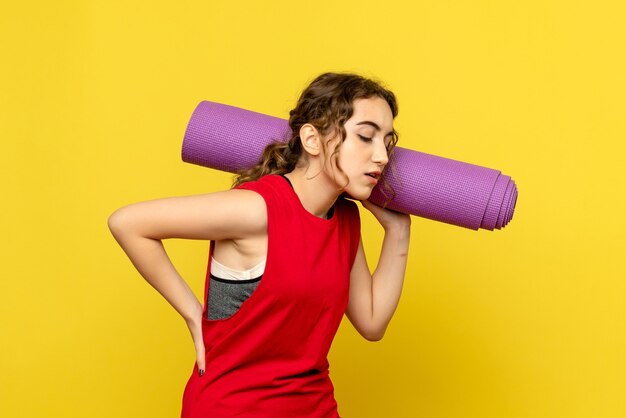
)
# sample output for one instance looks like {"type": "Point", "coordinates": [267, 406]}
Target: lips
{"type": "Point", "coordinates": [373, 176]}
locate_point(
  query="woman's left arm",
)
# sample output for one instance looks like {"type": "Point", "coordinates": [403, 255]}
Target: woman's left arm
{"type": "Point", "coordinates": [374, 297]}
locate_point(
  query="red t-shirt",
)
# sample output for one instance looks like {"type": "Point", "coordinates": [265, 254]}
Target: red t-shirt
{"type": "Point", "coordinates": [269, 359]}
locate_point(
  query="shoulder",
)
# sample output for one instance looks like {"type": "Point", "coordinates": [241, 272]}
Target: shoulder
{"type": "Point", "coordinates": [267, 182]}
{"type": "Point", "coordinates": [271, 188]}
{"type": "Point", "coordinates": [350, 217]}
{"type": "Point", "coordinates": [348, 206]}
{"type": "Point", "coordinates": [351, 224]}
{"type": "Point", "coordinates": [248, 207]}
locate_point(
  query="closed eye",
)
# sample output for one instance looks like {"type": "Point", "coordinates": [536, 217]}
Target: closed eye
{"type": "Point", "coordinates": [388, 145]}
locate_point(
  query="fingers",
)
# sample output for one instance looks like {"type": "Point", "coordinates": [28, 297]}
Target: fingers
{"type": "Point", "coordinates": [200, 358]}
{"type": "Point", "coordinates": [195, 328]}
{"type": "Point", "coordinates": [367, 204]}
{"type": "Point", "coordinates": [372, 207]}
{"type": "Point", "coordinates": [387, 217]}
{"type": "Point", "coordinates": [201, 365]}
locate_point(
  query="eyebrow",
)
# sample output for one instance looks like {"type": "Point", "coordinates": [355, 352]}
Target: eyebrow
{"type": "Point", "coordinates": [375, 126]}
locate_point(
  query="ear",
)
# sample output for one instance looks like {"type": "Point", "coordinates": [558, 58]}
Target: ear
{"type": "Point", "coordinates": [311, 139]}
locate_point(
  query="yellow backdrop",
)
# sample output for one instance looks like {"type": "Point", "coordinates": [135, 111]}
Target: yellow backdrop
{"type": "Point", "coordinates": [523, 322]}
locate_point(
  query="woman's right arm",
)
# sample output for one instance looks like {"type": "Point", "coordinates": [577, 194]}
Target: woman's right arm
{"type": "Point", "coordinates": [140, 227]}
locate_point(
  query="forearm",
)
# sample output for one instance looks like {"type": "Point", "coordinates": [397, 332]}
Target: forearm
{"type": "Point", "coordinates": [151, 261]}
{"type": "Point", "coordinates": [388, 278]}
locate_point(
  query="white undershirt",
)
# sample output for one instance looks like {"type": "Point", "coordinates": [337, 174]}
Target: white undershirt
{"type": "Point", "coordinates": [223, 272]}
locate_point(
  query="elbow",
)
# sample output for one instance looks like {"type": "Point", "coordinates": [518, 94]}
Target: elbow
{"type": "Point", "coordinates": [373, 335]}
{"type": "Point", "coordinates": [373, 338]}
{"type": "Point", "coordinates": [115, 223]}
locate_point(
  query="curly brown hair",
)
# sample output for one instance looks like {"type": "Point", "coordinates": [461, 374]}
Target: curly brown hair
{"type": "Point", "coordinates": [327, 103]}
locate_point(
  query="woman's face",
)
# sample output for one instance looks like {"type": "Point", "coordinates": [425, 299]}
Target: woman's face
{"type": "Point", "coordinates": [363, 154]}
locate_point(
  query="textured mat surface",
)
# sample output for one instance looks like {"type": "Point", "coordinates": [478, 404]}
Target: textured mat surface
{"type": "Point", "coordinates": [229, 138]}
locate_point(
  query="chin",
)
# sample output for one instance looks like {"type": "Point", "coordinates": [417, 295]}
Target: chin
{"type": "Point", "coordinates": [355, 195]}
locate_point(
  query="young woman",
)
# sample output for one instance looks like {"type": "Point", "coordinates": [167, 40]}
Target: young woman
{"type": "Point", "coordinates": [286, 258]}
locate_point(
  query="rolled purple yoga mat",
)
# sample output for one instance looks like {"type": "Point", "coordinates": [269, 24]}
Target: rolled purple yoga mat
{"type": "Point", "coordinates": [229, 138]}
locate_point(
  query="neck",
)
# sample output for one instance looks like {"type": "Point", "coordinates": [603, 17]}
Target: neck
{"type": "Point", "coordinates": [316, 193]}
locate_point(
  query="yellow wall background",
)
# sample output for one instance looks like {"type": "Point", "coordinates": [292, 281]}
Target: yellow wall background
{"type": "Point", "coordinates": [523, 322]}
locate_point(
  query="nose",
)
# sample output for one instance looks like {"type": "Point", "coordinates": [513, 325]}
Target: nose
{"type": "Point", "coordinates": [379, 155]}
